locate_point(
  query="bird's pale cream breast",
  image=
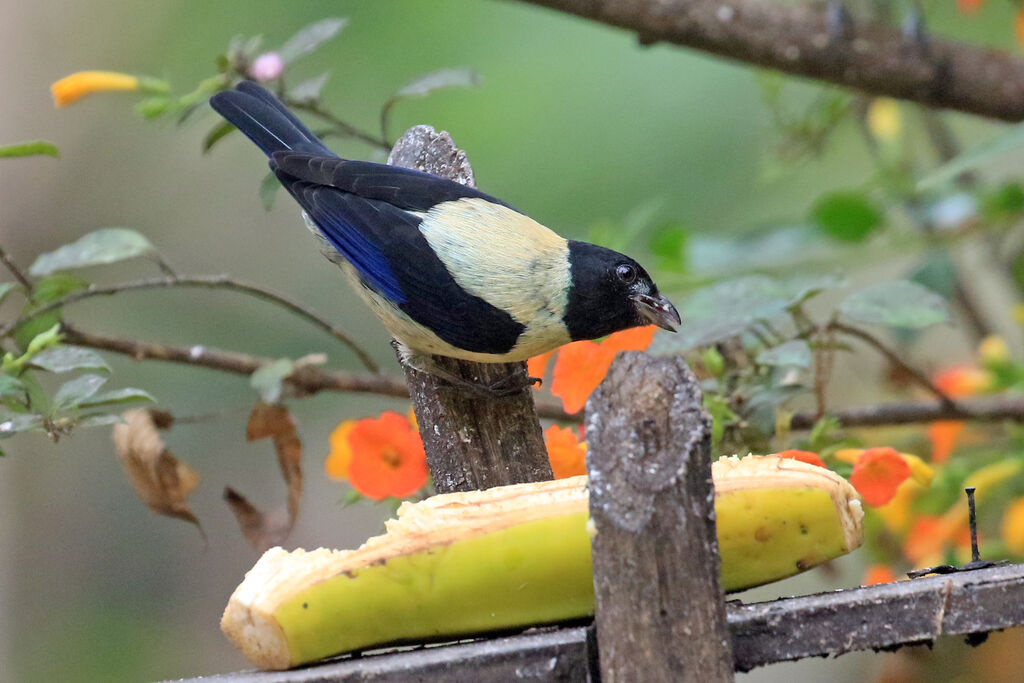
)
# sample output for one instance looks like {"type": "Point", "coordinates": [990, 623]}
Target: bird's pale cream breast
{"type": "Point", "coordinates": [507, 259]}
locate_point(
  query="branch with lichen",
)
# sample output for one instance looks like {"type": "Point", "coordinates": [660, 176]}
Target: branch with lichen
{"type": "Point", "coordinates": [801, 40]}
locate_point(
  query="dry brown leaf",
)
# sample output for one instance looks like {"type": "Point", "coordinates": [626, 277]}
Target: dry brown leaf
{"type": "Point", "coordinates": [160, 480]}
{"type": "Point", "coordinates": [265, 530]}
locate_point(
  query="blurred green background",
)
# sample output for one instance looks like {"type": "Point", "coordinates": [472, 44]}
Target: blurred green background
{"type": "Point", "coordinates": [575, 123]}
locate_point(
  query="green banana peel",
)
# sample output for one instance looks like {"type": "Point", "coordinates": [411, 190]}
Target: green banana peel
{"type": "Point", "coordinates": [513, 556]}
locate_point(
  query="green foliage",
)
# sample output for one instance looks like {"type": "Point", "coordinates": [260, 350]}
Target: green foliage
{"type": "Point", "coordinates": [28, 149]}
{"type": "Point", "coordinates": [109, 245]}
{"type": "Point", "coordinates": [847, 216]}
{"type": "Point", "coordinates": [794, 353]}
{"type": "Point", "coordinates": [897, 304]}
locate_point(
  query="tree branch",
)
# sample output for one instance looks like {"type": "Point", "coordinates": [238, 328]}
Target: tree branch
{"type": "Point", "coordinates": [988, 409]}
{"type": "Point", "coordinates": [305, 381]}
{"type": "Point", "coordinates": [209, 282]}
{"type": "Point", "coordinates": [894, 358]}
{"type": "Point", "coordinates": [15, 270]}
{"type": "Point", "coordinates": [797, 39]}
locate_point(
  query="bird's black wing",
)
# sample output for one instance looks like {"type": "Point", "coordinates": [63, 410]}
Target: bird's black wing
{"type": "Point", "coordinates": [385, 246]}
{"type": "Point", "coordinates": [401, 187]}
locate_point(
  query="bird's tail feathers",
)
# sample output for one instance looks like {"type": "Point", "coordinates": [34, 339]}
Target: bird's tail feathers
{"type": "Point", "coordinates": [265, 120]}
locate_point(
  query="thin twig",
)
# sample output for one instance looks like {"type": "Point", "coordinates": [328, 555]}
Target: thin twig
{"type": "Point", "coordinates": [310, 379]}
{"type": "Point", "coordinates": [208, 282]}
{"type": "Point", "coordinates": [15, 271]}
{"type": "Point", "coordinates": [304, 381]}
{"type": "Point", "coordinates": [869, 56]}
{"type": "Point", "coordinates": [344, 128]}
{"type": "Point", "coordinates": [895, 359]}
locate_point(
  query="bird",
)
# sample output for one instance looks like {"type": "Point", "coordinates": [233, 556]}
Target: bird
{"type": "Point", "coordinates": [447, 269]}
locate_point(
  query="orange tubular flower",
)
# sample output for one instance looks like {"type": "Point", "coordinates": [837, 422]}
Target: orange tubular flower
{"type": "Point", "coordinates": [76, 86]}
{"type": "Point", "coordinates": [969, 6]}
{"type": "Point", "coordinates": [878, 473]}
{"type": "Point", "coordinates": [536, 366]}
{"type": "Point", "coordinates": [336, 464]}
{"type": "Point", "coordinates": [958, 381]}
{"type": "Point", "coordinates": [566, 452]}
{"type": "Point", "coordinates": [582, 365]}
{"type": "Point", "coordinates": [387, 457]}
{"type": "Point", "coordinates": [803, 456]}
{"type": "Point", "coordinates": [1012, 528]}
{"type": "Point", "coordinates": [878, 573]}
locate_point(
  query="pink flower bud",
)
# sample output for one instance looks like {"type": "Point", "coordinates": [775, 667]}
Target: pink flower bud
{"type": "Point", "coordinates": [267, 67]}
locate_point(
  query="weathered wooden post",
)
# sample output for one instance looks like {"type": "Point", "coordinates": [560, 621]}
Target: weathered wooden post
{"type": "Point", "coordinates": [472, 442]}
{"type": "Point", "coordinates": [660, 607]}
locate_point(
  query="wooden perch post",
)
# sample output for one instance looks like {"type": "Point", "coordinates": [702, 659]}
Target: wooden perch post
{"type": "Point", "coordinates": [660, 607]}
{"type": "Point", "coordinates": [471, 442]}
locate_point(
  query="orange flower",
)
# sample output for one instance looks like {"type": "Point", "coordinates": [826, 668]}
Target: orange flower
{"type": "Point", "coordinates": [565, 451]}
{"type": "Point", "coordinates": [878, 473]}
{"type": "Point", "coordinates": [927, 538]}
{"type": "Point", "coordinates": [1018, 25]}
{"type": "Point", "coordinates": [387, 457]}
{"type": "Point", "coordinates": [582, 365]}
{"type": "Point", "coordinates": [536, 366]}
{"type": "Point", "coordinates": [943, 436]}
{"type": "Point", "coordinates": [76, 86]}
{"type": "Point", "coordinates": [1012, 528]}
{"type": "Point", "coordinates": [340, 454]}
{"type": "Point", "coordinates": [969, 6]}
{"type": "Point", "coordinates": [803, 456]}
{"type": "Point", "coordinates": [963, 380]}
{"type": "Point", "coordinates": [878, 573]}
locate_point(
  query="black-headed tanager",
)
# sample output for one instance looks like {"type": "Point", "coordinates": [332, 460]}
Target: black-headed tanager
{"type": "Point", "coordinates": [447, 269]}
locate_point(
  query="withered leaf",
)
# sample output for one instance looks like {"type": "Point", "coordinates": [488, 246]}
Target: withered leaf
{"type": "Point", "coordinates": [160, 480]}
{"type": "Point", "coordinates": [265, 530]}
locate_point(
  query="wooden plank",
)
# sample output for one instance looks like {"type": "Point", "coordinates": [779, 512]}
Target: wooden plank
{"type": "Point", "coordinates": [823, 624]}
{"type": "Point", "coordinates": [660, 606]}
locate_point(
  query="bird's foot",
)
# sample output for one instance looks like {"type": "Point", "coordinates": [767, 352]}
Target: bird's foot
{"type": "Point", "coordinates": [510, 385]}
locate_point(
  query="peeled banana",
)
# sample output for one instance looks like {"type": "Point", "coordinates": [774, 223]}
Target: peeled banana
{"type": "Point", "coordinates": [511, 556]}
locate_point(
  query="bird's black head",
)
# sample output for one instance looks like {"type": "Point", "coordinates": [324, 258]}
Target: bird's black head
{"type": "Point", "coordinates": [610, 292]}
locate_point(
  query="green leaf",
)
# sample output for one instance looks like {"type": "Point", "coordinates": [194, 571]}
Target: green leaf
{"type": "Point", "coordinates": [6, 288]}
{"type": "Point", "coordinates": [461, 77]}
{"type": "Point", "coordinates": [155, 106]}
{"type": "Point", "coordinates": [713, 361]}
{"type": "Point", "coordinates": [1004, 203]}
{"type": "Point", "coordinates": [53, 287]}
{"type": "Point", "coordinates": [725, 310]}
{"type": "Point", "coordinates": [310, 38]}
{"type": "Point", "coordinates": [309, 89]}
{"type": "Point", "coordinates": [68, 358]}
{"type": "Point", "coordinates": [109, 245]}
{"type": "Point", "coordinates": [721, 416]}
{"type": "Point", "coordinates": [269, 379]}
{"type": "Point", "coordinates": [216, 134]}
{"type": "Point", "coordinates": [351, 498]}
{"type": "Point", "coordinates": [48, 289]}
{"type": "Point", "coordinates": [847, 216]}
{"type": "Point", "coordinates": [936, 272]}
{"type": "Point", "coordinates": [28, 149]}
{"type": "Point", "coordinates": [13, 424]}
{"type": "Point", "coordinates": [44, 340]}
{"type": "Point", "coordinates": [118, 397]}
{"type": "Point", "coordinates": [78, 390]}
{"type": "Point", "coordinates": [268, 190]}
{"type": "Point", "coordinates": [974, 157]}
{"type": "Point", "coordinates": [795, 353]}
{"type": "Point", "coordinates": [11, 386]}
{"type": "Point", "coordinates": [897, 304]}
{"type": "Point", "coordinates": [100, 420]}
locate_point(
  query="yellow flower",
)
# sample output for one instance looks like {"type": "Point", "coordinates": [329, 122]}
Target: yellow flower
{"type": "Point", "coordinates": [336, 464]}
{"type": "Point", "coordinates": [993, 350]}
{"type": "Point", "coordinates": [72, 88]}
{"type": "Point", "coordinates": [883, 118]}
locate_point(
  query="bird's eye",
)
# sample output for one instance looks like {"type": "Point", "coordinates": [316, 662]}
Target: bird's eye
{"type": "Point", "coordinates": [626, 273]}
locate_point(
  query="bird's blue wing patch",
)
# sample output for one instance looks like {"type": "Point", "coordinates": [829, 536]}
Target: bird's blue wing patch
{"type": "Point", "coordinates": [337, 216]}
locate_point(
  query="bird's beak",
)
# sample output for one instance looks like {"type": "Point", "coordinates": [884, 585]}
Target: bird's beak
{"type": "Point", "coordinates": [658, 310]}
